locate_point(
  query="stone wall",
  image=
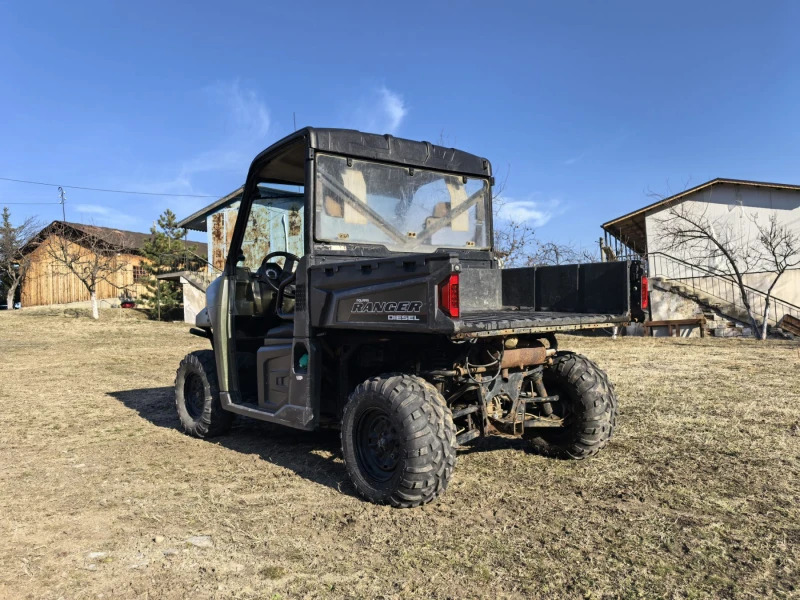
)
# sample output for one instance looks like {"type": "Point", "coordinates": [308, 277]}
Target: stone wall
{"type": "Point", "coordinates": [668, 306]}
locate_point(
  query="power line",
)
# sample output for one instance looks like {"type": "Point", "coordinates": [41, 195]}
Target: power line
{"type": "Point", "coordinates": [90, 189]}
{"type": "Point", "coordinates": [27, 203]}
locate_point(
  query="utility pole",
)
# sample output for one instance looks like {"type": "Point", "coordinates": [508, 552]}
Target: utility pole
{"type": "Point", "coordinates": [63, 200]}
{"type": "Point", "coordinates": [158, 294]}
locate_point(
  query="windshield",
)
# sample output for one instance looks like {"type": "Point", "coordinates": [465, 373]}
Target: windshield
{"type": "Point", "coordinates": [401, 208]}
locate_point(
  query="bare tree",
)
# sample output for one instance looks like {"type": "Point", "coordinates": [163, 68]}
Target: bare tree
{"type": "Point", "coordinates": [778, 249]}
{"type": "Point", "coordinates": [90, 254]}
{"type": "Point", "coordinates": [517, 244]}
{"type": "Point", "coordinates": [13, 263]}
{"type": "Point", "coordinates": [702, 239]}
{"type": "Point", "coordinates": [551, 253]}
{"type": "Point", "coordinates": [514, 238]}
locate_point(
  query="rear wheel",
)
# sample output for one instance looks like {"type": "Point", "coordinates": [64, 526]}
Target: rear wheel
{"type": "Point", "coordinates": [587, 403]}
{"type": "Point", "coordinates": [197, 396]}
{"type": "Point", "coordinates": [398, 440]}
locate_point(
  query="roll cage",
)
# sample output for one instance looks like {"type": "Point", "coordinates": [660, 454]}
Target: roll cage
{"type": "Point", "coordinates": [290, 162]}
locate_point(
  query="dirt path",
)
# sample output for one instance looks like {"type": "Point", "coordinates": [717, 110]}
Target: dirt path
{"type": "Point", "coordinates": [698, 495]}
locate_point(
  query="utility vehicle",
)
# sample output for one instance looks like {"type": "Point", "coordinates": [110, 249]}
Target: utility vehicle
{"type": "Point", "coordinates": [361, 292]}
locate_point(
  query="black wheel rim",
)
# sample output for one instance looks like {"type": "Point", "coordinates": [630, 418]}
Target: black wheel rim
{"type": "Point", "coordinates": [377, 444]}
{"type": "Point", "coordinates": [194, 394]}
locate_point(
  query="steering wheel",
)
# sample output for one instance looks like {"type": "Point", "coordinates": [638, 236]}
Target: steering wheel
{"type": "Point", "coordinates": [273, 275]}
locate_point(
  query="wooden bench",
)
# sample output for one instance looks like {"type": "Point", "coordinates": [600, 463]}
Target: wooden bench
{"type": "Point", "coordinates": [790, 324]}
{"type": "Point", "coordinates": [674, 326]}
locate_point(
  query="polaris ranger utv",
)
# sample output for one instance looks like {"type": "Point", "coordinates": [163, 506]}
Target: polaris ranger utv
{"type": "Point", "coordinates": [361, 292]}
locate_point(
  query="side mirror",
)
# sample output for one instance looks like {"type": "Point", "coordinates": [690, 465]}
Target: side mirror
{"type": "Point", "coordinates": [240, 258]}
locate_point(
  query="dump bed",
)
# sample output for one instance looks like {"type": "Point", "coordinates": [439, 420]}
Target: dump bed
{"type": "Point", "coordinates": [404, 293]}
{"type": "Point", "coordinates": [549, 298]}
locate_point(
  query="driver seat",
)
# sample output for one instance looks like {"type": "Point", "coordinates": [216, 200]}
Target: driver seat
{"type": "Point", "coordinates": [282, 331]}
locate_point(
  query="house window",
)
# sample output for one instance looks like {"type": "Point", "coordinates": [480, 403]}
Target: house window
{"type": "Point", "coordinates": [139, 274]}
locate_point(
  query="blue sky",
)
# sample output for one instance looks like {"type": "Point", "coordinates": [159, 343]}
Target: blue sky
{"type": "Point", "coordinates": [587, 103]}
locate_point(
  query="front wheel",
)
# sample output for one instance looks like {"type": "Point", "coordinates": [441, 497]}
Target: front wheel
{"type": "Point", "coordinates": [398, 440]}
{"type": "Point", "coordinates": [587, 404]}
{"type": "Point", "coordinates": [197, 396]}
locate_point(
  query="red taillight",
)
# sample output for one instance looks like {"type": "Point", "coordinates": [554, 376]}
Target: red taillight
{"type": "Point", "coordinates": [448, 296]}
{"type": "Point", "coordinates": [645, 294]}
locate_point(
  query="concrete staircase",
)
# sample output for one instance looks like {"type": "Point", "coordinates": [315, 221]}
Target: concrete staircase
{"type": "Point", "coordinates": [199, 279]}
{"type": "Point", "coordinates": [722, 318]}
{"type": "Point", "coordinates": [689, 290]}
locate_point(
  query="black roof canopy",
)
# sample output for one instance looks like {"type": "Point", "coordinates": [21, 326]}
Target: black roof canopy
{"type": "Point", "coordinates": [348, 142]}
{"type": "Point", "coordinates": [385, 148]}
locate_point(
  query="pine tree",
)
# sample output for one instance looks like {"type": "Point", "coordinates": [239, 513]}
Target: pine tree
{"type": "Point", "coordinates": [165, 252]}
{"type": "Point", "coordinates": [13, 263]}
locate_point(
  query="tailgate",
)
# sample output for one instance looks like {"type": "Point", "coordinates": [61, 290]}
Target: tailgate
{"type": "Point", "coordinates": [551, 298]}
{"type": "Point", "coordinates": [531, 321]}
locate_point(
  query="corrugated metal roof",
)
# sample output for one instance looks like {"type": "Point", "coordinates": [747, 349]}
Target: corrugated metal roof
{"type": "Point", "coordinates": [197, 221]}
{"type": "Point", "coordinates": [697, 188]}
{"type": "Point", "coordinates": [132, 241]}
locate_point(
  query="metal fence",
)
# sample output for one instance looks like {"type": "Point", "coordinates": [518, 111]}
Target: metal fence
{"type": "Point", "coordinates": [718, 285]}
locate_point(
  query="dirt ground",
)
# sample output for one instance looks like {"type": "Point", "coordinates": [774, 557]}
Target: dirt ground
{"type": "Point", "coordinates": [697, 496]}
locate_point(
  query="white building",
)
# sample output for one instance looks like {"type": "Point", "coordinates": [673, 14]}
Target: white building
{"type": "Point", "coordinates": [731, 205]}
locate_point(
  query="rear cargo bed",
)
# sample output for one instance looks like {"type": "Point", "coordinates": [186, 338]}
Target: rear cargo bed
{"type": "Point", "coordinates": [405, 294]}
{"type": "Point", "coordinates": [541, 299]}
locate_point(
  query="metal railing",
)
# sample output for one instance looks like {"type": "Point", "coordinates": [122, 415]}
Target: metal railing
{"type": "Point", "coordinates": [191, 263]}
{"type": "Point", "coordinates": [613, 248]}
{"type": "Point", "coordinates": [205, 274]}
{"type": "Point", "coordinates": [719, 286]}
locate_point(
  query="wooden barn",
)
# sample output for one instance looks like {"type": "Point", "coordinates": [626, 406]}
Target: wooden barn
{"type": "Point", "coordinates": [49, 281]}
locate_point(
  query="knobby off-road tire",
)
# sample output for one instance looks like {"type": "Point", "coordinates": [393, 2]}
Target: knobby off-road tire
{"type": "Point", "coordinates": [398, 440]}
{"type": "Point", "coordinates": [197, 396]}
{"type": "Point", "coordinates": [587, 403]}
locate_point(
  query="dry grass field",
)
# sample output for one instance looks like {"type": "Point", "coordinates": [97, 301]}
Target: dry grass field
{"type": "Point", "coordinates": [697, 496]}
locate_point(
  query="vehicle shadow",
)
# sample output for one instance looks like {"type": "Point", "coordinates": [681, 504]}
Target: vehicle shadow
{"type": "Point", "coordinates": [493, 443]}
{"type": "Point", "coordinates": [315, 456]}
